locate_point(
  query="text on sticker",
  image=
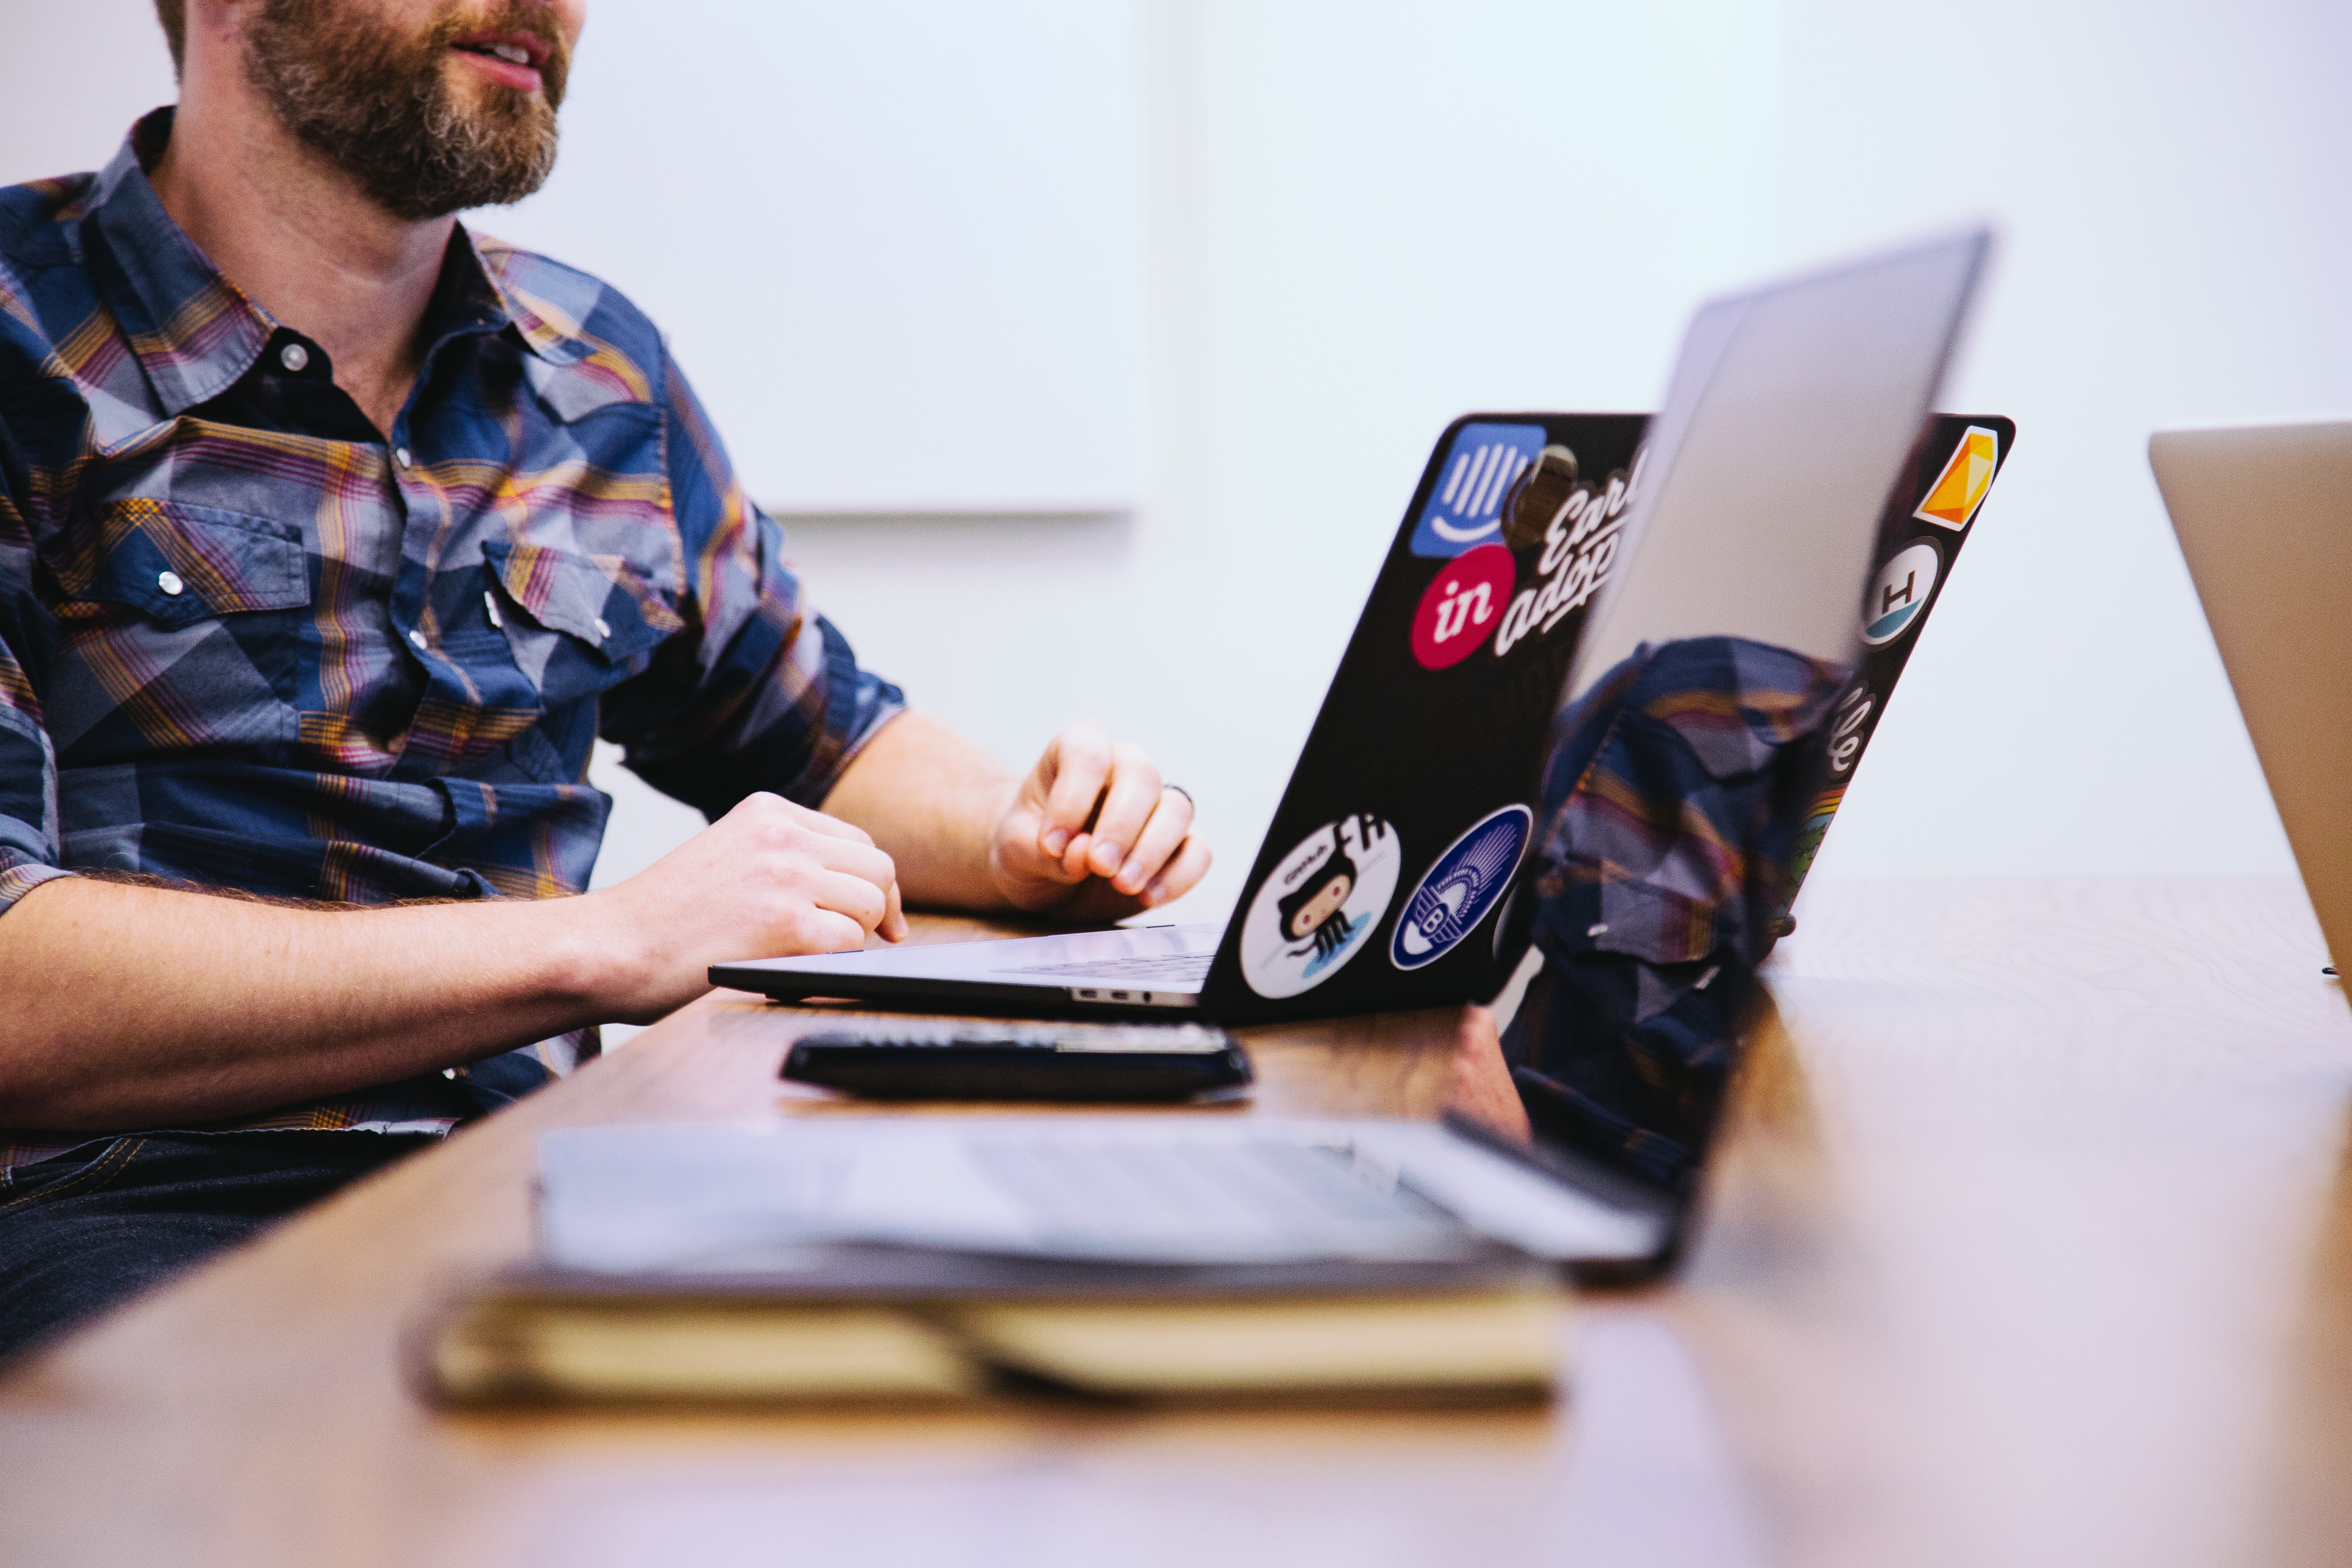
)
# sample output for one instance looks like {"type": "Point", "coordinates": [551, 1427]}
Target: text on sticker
{"type": "Point", "coordinates": [1579, 546]}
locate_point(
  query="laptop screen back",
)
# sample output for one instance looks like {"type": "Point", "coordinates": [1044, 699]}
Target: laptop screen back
{"type": "Point", "coordinates": [2260, 514]}
{"type": "Point", "coordinates": [1788, 419]}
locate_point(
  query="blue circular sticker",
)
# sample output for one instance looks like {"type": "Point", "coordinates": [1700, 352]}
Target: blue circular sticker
{"type": "Point", "coordinates": [1467, 881]}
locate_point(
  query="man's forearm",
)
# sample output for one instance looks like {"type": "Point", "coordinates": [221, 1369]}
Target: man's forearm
{"type": "Point", "coordinates": [124, 1005]}
{"type": "Point", "coordinates": [930, 797]}
{"type": "Point", "coordinates": [121, 1006]}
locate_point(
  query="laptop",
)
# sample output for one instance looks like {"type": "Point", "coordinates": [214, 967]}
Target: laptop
{"type": "Point", "coordinates": [1199, 1191]}
{"type": "Point", "coordinates": [1755, 512]}
{"type": "Point", "coordinates": [2261, 513]}
{"type": "Point", "coordinates": [1539, 550]}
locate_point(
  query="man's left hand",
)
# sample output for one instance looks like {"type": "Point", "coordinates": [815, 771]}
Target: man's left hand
{"type": "Point", "coordinates": [1094, 832]}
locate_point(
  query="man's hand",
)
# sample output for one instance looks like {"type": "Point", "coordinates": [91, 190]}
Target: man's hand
{"type": "Point", "coordinates": [1479, 1082]}
{"type": "Point", "coordinates": [1094, 833]}
{"type": "Point", "coordinates": [768, 879]}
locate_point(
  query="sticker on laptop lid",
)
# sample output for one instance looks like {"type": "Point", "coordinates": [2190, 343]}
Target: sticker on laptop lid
{"type": "Point", "coordinates": [1961, 489]}
{"type": "Point", "coordinates": [1530, 506]}
{"type": "Point", "coordinates": [1466, 508]}
{"type": "Point", "coordinates": [1578, 536]}
{"type": "Point", "coordinates": [1317, 909]}
{"type": "Point", "coordinates": [1462, 606]}
{"type": "Point", "coordinates": [1465, 883]}
{"type": "Point", "coordinates": [1848, 727]}
{"type": "Point", "coordinates": [1816, 828]}
{"type": "Point", "coordinates": [1899, 592]}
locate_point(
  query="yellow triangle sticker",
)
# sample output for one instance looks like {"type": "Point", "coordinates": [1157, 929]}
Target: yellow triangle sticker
{"type": "Point", "coordinates": [1961, 489]}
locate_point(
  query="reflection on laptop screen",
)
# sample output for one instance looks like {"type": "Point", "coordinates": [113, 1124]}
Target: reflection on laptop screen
{"type": "Point", "coordinates": [1765, 485]}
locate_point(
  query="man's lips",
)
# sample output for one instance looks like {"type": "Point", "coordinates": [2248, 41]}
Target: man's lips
{"type": "Point", "coordinates": [513, 59]}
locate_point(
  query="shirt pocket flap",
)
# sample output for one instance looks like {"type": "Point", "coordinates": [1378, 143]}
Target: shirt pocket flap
{"type": "Point", "coordinates": [603, 602]}
{"type": "Point", "coordinates": [181, 563]}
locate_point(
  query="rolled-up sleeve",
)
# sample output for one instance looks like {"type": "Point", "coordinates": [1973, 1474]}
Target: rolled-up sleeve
{"type": "Point", "coordinates": [29, 849]}
{"type": "Point", "coordinates": [759, 691]}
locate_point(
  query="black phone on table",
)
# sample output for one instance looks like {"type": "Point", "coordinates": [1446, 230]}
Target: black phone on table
{"type": "Point", "coordinates": [884, 1060]}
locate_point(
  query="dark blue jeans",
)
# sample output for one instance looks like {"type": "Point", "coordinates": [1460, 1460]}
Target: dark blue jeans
{"type": "Point", "coordinates": [87, 1229]}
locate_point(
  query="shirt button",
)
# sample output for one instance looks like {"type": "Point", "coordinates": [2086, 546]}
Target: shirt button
{"type": "Point", "coordinates": [400, 456]}
{"type": "Point", "coordinates": [294, 357]}
{"type": "Point", "coordinates": [603, 631]}
{"type": "Point", "coordinates": [170, 582]}
{"type": "Point", "coordinates": [418, 639]}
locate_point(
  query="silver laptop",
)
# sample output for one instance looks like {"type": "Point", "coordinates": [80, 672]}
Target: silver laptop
{"type": "Point", "coordinates": [1172, 1189]}
{"type": "Point", "coordinates": [2260, 514]}
{"type": "Point", "coordinates": [1554, 546]}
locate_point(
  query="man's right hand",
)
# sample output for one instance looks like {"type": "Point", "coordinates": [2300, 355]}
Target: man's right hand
{"type": "Point", "coordinates": [768, 879]}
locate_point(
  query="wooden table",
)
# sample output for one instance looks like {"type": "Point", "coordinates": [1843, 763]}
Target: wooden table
{"type": "Point", "coordinates": [2030, 1240]}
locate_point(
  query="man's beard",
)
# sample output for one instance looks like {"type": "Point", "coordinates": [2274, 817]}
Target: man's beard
{"type": "Point", "coordinates": [380, 107]}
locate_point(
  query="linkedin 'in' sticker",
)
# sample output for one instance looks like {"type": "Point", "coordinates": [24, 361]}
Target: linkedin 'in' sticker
{"type": "Point", "coordinates": [1465, 509]}
{"type": "Point", "coordinates": [1900, 592]}
{"type": "Point", "coordinates": [1467, 881]}
{"type": "Point", "coordinates": [1463, 605]}
{"type": "Point", "coordinates": [1316, 909]}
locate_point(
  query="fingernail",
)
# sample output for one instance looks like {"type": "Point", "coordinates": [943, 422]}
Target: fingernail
{"type": "Point", "coordinates": [1107, 850]}
{"type": "Point", "coordinates": [1057, 841]}
{"type": "Point", "coordinates": [1154, 893]}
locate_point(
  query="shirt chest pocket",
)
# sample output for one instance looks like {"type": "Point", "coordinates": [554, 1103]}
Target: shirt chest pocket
{"type": "Point", "coordinates": [577, 624]}
{"type": "Point", "coordinates": [182, 626]}
{"type": "Point", "coordinates": [179, 563]}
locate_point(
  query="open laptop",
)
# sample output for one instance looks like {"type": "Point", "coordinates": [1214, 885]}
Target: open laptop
{"type": "Point", "coordinates": [1539, 550]}
{"type": "Point", "coordinates": [2261, 513]}
{"type": "Point", "coordinates": [1756, 514]}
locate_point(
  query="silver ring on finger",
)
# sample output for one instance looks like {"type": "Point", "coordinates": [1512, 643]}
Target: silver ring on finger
{"type": "Point", "coordinates": [1180, 789]}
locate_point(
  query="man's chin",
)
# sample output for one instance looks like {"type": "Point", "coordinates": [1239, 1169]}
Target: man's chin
{"type": "Point", "coordinates": [421, 133]}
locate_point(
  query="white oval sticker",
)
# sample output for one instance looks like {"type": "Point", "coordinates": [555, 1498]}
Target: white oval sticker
{"type": "Point", "coordinates": [1900, 592]}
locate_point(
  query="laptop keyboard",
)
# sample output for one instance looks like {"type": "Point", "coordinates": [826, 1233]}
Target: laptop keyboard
{"type": "Point", "coordinates": [1192, 966]}
{"type": "Point", "coordinates": [1246, 1191]}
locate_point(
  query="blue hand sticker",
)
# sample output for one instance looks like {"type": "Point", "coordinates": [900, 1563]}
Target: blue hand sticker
{"type": "Point", "coordinates": [1466, 506]}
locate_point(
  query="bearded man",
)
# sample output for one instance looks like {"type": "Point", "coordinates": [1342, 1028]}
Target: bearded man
{"type": "Point", "coordinates": [331, 534]}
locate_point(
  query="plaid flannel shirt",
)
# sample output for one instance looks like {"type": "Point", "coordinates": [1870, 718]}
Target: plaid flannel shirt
{"type": "Point", "coordinates": [248, 643]}
{"type": "Point", "coordinates": [1673, 798]}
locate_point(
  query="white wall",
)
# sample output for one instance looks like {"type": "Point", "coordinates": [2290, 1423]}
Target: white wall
{"type": "Point", "coordinates": [1365, 219]}
{"type": "Point", "coordinates": [896, 243]}
{"type": "Point", "coordinates": [73, 76]}
{"type": "Point", "coordinates": [1362, 219]}
{"type": "Point", "coordinates": [2170, 180]}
